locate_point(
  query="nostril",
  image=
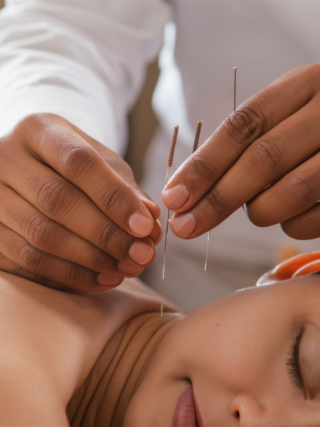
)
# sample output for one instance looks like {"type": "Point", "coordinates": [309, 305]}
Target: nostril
{"type": "Point", "coordinates": [235, 413]}
{"type": "Point", "coordinates": [247, 410]}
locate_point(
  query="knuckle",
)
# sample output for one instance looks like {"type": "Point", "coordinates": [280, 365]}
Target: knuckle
{"type": "Point", "coordinates": [31, 258]}
{"type": "Point", "coordinates": [53, 196]}
{"type": "Point", "coordinates": [79, 160]}
{"type": "Point", "coordinates": [305, 189]}
{"type": "Point", "coordinates": [311, 80]}
{"type": "Point", "coordinates": [246, 124]}
{"type": "Point", "coordinates": [112, 200]}
{"type": "Point", "coordinates": [202, 167]}
{"type": "Point", "coordinates": [75, 274]}
{"type": "Point", "coordinates": [79, 276]}
{"type": "Point", "coordinates": [101, 261]}
{"type": "Point", "coordinates": [110, 236]}
{"type": "Point", "coordinates": [34, 122]}
{"type": "Point", "coordinates": [215, 201]}
{"type": "Point", "coordinates": [266, 156]}
{"type": "Point", "coordinates": [39, 231]}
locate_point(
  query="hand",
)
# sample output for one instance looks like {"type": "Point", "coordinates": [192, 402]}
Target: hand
{"type": "Point", "coordinates": [264, 156]}
{"type": "Point", "coordinates": [70, 209]}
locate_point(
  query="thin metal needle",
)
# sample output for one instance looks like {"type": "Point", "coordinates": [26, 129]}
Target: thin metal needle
{"type": "Point", "coordinates": [235, 88]}
{"type": "Point", "coordinates": [208, 240]}
{"type": "Point", "coordinates": [169, 164]}
{"type": "Point", "coordinates": [234, 109]}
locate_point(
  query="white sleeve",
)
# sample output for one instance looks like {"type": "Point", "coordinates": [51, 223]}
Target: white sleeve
{"type": "Point", "coordinates": [82, 59]}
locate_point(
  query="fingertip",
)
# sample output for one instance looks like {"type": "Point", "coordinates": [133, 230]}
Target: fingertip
{"type": "Point", "coordinates": [140, 224]}
{"type": "Point", "coordinates": [175, 197]}
{"type": "Point", "coordinates": [129, 269]}
{"type": "Point", "coordinates": [156, 234]}
{"type": "Point", "coordinates": [183, 225]}
{"type": "Point", "coordinates": [109, 281]}
{"type": "Point", "coordinates": [141, 253]}
{"type": "Point", "coordinates": [152, 207]}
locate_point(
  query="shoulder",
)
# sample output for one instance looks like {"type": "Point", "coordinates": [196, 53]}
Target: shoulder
{"type": "Point", "coordinates": [66, 331]}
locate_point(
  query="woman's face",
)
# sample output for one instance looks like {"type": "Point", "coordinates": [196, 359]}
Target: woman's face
{"type": "Point", "coordinates": [252, 358]}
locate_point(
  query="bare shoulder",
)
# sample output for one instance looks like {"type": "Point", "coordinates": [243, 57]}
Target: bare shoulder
{"type": "Point", "coordinates": [50, 340]}
{"type": "Point", "coordinates": [66, 331]}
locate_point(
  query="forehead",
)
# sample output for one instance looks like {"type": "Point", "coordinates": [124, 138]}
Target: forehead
{"type": "Point", "coordinates": [299, 296]}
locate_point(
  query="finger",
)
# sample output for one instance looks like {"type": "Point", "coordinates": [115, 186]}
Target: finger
{"type": "Point", "coordinates": [279, 151]}
{"type": "Point", "coordinates": [250, 121]}
{"type": "Point", "coordinates": [304, 226]}
{"type": "Point", "coordinates": [153, 208]}
{"type": "Point", "coordinates": [48, 236]}
{"type": "Point", "coordinates": [63, 203]}
{"type": "Point", "coordinates": [61, 273]}
{"type": "Point", "coordinates": [79, 163]}
{"type": "Point", "coordinates": [156, 234]}
{"type": "Point", "coordinates": [294, 194]}
{"type": "Point", "coordinates": [10, 267]}
{"type": "Point", "coordinates": [122, 169]}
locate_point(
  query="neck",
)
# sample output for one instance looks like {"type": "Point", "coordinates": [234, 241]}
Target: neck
{"type": "Point", "coordinates": [104, 397]}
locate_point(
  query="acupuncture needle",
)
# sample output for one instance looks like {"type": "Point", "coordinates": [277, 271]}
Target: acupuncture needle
{"type": "Point", "coordinates": [169, 164]}
{"type": "Point", "coordinates": [234, 109]}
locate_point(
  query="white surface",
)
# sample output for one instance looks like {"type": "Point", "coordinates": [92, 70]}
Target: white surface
{"type": "Point", "coordinates": [84, 60]}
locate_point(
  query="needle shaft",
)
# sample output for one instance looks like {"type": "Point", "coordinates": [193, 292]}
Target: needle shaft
{"type": "Point", "coordinates": [164, 251]}
{"type": "Point", "coordinates": [169, 164]}
{"type": "Point", "coordinates": [235, 88]}
{"type": "Point", "coordinates": [208, 240]}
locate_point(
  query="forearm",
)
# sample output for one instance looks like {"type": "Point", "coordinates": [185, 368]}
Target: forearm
{"type": "Point", "coordinates": [82, 60]}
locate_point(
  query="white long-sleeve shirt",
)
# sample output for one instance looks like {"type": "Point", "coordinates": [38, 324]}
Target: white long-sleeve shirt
{"type": "Point", "coordinates": [82, 59]}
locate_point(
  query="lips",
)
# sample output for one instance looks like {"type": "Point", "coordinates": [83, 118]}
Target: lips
{"type": "Point", "coordinates": [185, 413]}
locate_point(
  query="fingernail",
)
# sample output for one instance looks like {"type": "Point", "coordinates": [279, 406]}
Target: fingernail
{"type": "Point", "coordinates": [176, 196]}
{"type": "Point", "coordinates": [140, 224]}
{"type": "Point", "coordinates": [129, 269]}
{"type": "Point", "coordinates": [184, 225]}
{"type": "Point", "coordinates": [105, 280]}
{"type": "Point", "coordinates": [141, 253]}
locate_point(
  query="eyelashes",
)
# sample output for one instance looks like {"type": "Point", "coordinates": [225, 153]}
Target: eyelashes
{"type": "Point", "coordinates": [293, 361]}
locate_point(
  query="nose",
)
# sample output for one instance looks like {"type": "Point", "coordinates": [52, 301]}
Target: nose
{"type": "Point", "coordinates": [247, 410]}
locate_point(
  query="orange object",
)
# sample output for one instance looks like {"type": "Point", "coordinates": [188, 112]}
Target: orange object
{"type": "Point", "coordinates": [298, 266]}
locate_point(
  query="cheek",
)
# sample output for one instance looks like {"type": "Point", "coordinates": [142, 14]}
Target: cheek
{"type": "Point", "coordinates": [241, 351]}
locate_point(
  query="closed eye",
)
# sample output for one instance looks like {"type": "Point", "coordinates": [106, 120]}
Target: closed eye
{"type": "Point", "coordinates": [293, 362]}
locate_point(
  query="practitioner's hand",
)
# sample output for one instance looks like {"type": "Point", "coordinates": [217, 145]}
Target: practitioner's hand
{"type": "Point", "coordinates": [265, 155]}
{"type": "Point", "coordinates": [70, 209]}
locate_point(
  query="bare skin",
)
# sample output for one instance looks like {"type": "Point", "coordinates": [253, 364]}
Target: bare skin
{"type": "Point", "coordinates": [264, 156]}
{"type": "Point", "coordinates": [71, 213]}
{"type": "Point", "coordinates": [111, 361]}
{"type": "Point", "coordinates": [54, 341]}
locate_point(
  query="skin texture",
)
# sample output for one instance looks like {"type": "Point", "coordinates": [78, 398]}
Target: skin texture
{"type": "Point", "coordinates": [112, 361]}
{"type": "Point", "coordinates": [60, 223]}
{"type": "Point", "coordinates": [264, 156]}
